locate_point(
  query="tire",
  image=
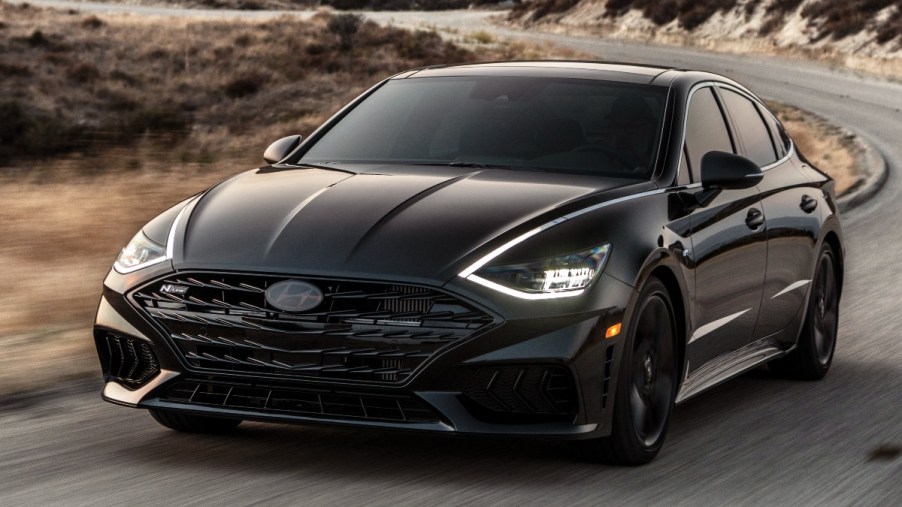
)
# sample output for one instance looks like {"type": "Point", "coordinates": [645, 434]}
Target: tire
{"type": "Point", "coordinates": [189, 423]}
{"type": "Point", "coordinates": [811, 358]}
{"type": "Point", "coordinates": [646, 385]}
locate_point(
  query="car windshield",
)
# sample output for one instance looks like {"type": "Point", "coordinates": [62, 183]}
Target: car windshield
{"type": "Point", "coordinates": [557, 125]}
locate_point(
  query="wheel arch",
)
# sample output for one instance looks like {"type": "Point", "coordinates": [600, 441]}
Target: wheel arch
{"type": "Point", "coordinates": [674, 290]}
{"type": "Point", "coordinates": [832, 239]}
{"type": "Point", "coordinates": [669, 275]}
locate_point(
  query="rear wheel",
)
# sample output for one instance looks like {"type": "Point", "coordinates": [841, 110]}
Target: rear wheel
{"type": "Point", "coordinates": [814, 352]}
{"type": "Point", "coordinates": [190, 423]}
{"type": "Point", "coordinates": [646, 385]}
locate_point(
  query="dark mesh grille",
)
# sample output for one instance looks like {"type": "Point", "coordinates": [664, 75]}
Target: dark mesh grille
{"type": "Point", "coordinates": [536, 390]}
{"type": "Point", "coordinates": [302, 402]}
{"type": "Point", "coordinates": [362, 330]}
{"type": "Point", "coordinates": [129, 361]}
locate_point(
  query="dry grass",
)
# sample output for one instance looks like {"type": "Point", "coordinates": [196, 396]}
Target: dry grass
{"type": "Point", "coordinates": [85, 83]}
{"type": "Point", "coordinates": [827, 146]}
{"type": "Point", "coordinates": [60, 238]}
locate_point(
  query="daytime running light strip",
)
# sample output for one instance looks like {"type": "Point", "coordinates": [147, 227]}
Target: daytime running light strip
{"type": "Point", "coordinates": [170, 240]}
{"type": "Point", "coordinates": [468, 273]}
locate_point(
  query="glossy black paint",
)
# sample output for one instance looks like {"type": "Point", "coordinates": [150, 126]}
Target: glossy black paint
{"type": "Point", "coordinates": [732, 254]}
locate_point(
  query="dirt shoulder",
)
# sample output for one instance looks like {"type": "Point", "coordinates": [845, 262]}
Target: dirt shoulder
{"type": "Point", "coordinates": [827, 146]}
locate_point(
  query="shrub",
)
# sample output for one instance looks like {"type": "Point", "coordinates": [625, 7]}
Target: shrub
{"type": "Point", "coordinates": [124, 77]}
{"type": "Point", "coordinates": [93, 22]}
{"type": "Point", "coordinates": [13, 69]}
{"type": "Point", "coordinates": [482, 37]}
{"type": "Point", "coordinates": [37, 39]}
{"type": "Point", "coordinates": [345, 26]}
{"type": "Point", "coordinates": [546, 7]}
{"type": "Point", "coordinates": [243, 86]}
{"type": "Point", "coordinates": [82, 72]}
{"type": "Point", "coordinates": [155, 120]}
{"type": "Point", "coordinates": [841, 18]}
{"type": "Point", "coordinates": [419, 44]}
{"type": "Point", "coordinates": [244, 40]}
{"type": "Point", "coordinates": [25, 133]}
{"type": "Point", "coordinates": [15, 125]}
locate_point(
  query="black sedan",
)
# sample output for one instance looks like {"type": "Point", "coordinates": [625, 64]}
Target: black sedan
{"type": "Point", "coordinates": [541, 249]}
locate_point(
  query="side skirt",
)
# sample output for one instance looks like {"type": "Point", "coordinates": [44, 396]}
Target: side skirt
{"type": "Point", "coordinates": [729, 365]}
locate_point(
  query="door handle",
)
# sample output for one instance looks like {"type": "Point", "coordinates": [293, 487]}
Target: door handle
{"type": "Point", "coordinates": [754, 219]}
{"type": "Point", "coordinates": [808, 203]}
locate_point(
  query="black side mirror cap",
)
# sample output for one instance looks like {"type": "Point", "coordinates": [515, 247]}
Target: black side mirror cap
{"type": "Point", "coordinates": [281, 148]}
{"type": "Point", "coordinates": [721, 170]}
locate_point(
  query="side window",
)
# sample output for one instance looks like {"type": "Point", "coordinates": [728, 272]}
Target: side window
{"type": "Point", "coordinates": [751, 128]}
{"type": "Point", "coordinates": [781, 140]}
{"type": "Point", "coordinates": [706, 130]}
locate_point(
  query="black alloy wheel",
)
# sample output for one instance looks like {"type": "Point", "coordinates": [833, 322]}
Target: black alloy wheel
{"type": "Point", "coordinates": [646, 386]}
{"type": "Point", "coordinates": [817, 341]}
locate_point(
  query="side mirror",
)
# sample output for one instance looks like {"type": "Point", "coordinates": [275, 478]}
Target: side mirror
{"type": "Point", "coordinates": [281, 148]}
{"type": "Point", "coordinates": [722, 170]}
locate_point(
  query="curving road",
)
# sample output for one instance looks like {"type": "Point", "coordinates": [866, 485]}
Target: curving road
{"type": "Point", "coordinates": [756, 440]}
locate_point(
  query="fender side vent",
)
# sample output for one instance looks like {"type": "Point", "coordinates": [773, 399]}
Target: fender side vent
{"type": "Point", "coordinates": [606, 382]}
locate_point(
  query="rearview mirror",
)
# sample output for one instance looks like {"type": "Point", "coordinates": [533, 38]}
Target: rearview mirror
{"type": "Point", "coordinates": [281, 148]}
{"type": "Point", "coordinates": [721, 170]}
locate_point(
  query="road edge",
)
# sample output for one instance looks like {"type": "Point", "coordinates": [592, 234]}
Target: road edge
{"type": "Point", "coordinates": [873, 166]}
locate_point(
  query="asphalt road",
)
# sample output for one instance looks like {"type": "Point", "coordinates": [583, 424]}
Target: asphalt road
{"type": "Point", "coordinates": [756, 440]}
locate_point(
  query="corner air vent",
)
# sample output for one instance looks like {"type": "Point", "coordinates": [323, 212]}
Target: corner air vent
{"type": "Point", "coordinates": [129, 361]}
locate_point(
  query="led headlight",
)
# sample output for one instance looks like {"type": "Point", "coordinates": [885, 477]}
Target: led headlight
{"type": "Point", "coordinates": [142, 251]}
{"type": "Point", "coordinates": [139, 253]}
{"type": "Point", "coordinates": [556, 277]}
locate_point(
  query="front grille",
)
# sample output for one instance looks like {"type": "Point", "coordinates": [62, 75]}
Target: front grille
{"type": "Point", "coordinates": [129, 361]}
{"type": "Point", "coordinates": [302, 402]}
{"type": "Point", "coordinates": [365, 331]}
{"type": "Point", "coordinates": [524, 391]}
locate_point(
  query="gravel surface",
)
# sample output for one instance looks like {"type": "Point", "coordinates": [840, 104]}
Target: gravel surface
{"type": "Point", "coordinates": [756, 440]}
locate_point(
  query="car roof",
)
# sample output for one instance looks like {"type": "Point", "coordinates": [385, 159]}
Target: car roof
{"type": "Point", "coordinates": [621, 72]}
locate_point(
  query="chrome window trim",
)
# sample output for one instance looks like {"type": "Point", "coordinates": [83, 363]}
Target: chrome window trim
{"type": "Point", "coordinates": [718, 84]}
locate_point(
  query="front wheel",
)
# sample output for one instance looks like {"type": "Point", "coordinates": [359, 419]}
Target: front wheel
{"type": "Point", "coordinates": [813, 354]}
{"type": "Point", "coordinates": [646, 385]}
{"type": "Point", "coordinates": [189, 423]}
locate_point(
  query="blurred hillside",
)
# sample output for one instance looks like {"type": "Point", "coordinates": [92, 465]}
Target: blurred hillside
{"type": "Point", "coordinates": [858, 28]}
{"type": "Point", "coordinates": [77, 83]}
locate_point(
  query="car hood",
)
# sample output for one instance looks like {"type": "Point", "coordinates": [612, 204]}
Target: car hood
{"type": "Point", "coordinates": [403, 223]}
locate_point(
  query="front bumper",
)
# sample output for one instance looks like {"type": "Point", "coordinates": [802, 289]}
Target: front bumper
{"type": "Point", "coordinates": [498, 381]}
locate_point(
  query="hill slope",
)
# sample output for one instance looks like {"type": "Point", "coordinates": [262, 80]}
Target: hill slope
{"type": "Point", "coordinates": [847, 28]}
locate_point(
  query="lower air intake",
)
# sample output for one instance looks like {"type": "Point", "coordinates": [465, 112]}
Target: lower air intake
{"type": "Point", "coordinates": [301, 402]}
{"type": "Point", "coordinates": [530, 393]}
{"type": "Point", "coordinates": [129, 361]}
